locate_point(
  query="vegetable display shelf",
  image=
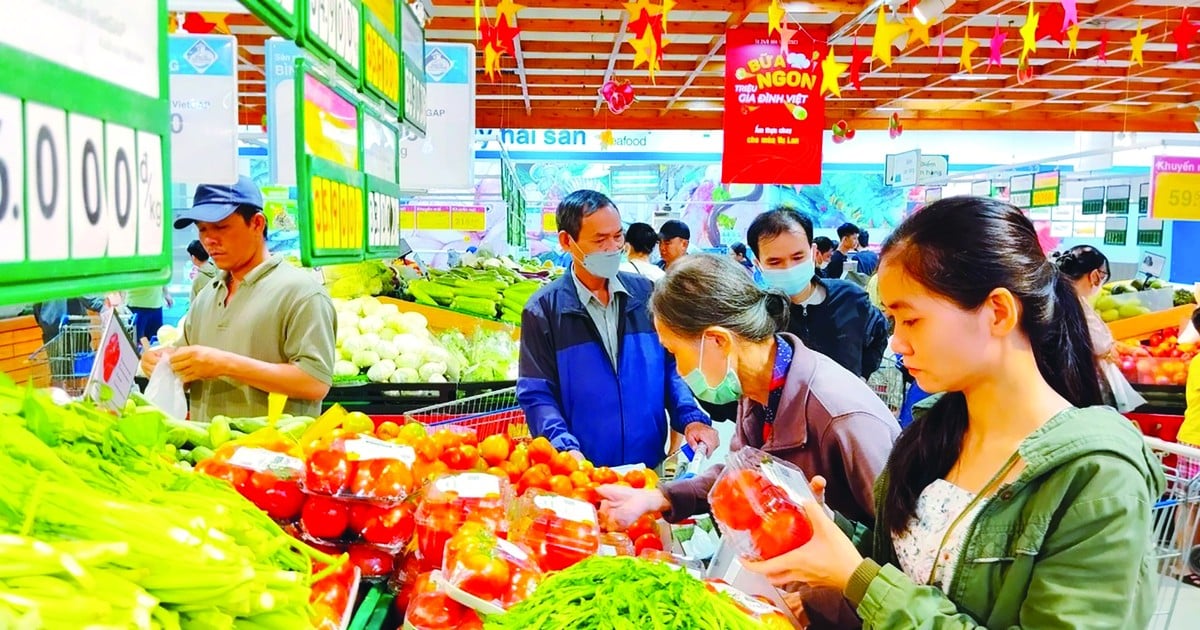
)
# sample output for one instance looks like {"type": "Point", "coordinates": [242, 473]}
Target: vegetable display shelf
{"type": "Point", "coordinates": [444, 319]}
{"type": "Point", "coordinates": [1145, 325]}
{"type": "Point", "coordinates": [20, 338]}
{"type": "Point", "coordinates": [375, 399]}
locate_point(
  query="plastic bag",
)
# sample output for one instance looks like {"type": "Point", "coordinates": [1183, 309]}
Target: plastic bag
{"type": "Point", "coordinates": [165, 390]}
{"type": "Point", "coordinates": [1127, 398]}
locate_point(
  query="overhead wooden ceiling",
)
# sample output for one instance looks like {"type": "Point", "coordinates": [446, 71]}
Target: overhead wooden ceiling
{"type": "Point", "coordinates": [568, 48]}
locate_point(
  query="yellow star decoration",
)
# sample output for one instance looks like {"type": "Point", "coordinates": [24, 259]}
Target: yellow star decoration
{"type": "Point", "coordinates": [1073, 39]}
{"type": "Point", "coordinates": [968, 48]}
{"type": "Point", "coordinates": [508, 9]}
{"type": "Point", "coordinates": [1029, 33]}
{"type": "Point", "coordinates": [1136, 44]}
{"type": "Point", "coordinates": [667, 5]}
{"type": "Point", "coordinates": [606, 139]}
{"type": "Point", "coordinates": [478, 13]}
{"type": "Point", "coordinates": [885, 33]}
{"type": "Point", "coordinates": [491, 60]}
{"type": "Point", "coordinates": [917, 31]}
{"type": "Point", "coordinates": [831, 69]}
{"type": "Point", "coordinates": [645, 51]}
{"type": "Point", "coordinates": [775, 14]}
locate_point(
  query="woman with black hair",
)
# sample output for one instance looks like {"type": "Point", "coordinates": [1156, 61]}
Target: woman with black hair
{"type": "Point", "coordinates": [1012, 501]}
{"type": "Point", "coordinates": [640, 241]}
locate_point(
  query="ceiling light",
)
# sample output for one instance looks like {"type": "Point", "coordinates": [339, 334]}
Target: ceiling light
{"type": "Point", "coordinates": [801, 7]}
{"type": "Point", "coordinates": [927, 11]}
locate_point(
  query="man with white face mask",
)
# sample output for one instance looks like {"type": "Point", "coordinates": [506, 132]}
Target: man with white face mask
{"type": "Point", "coordinates": [593, 378]}
{"type": "Point", "coordinates": [833, 317]}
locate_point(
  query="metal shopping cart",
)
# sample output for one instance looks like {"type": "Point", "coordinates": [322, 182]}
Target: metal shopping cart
{"type": "Point", "coordinates": [1176, 516]}
{"type": "Point", "coordinates": [491, 413]}
{"type": "Point", "coordinates": [72, 352]}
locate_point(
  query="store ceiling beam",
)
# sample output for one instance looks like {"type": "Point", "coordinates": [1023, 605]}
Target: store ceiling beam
{"type": "Point", "coordinates": [718, 44]}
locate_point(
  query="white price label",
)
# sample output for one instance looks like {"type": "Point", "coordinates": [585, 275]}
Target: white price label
{"type": "Point", "coordinates": [12, 182]}
{"type": "Point", "coordinates": [792, 482]}
{"type": "Point", "coordinates": [262, 460]}
{"type": "Point", "coordinates": [121, 176]}
{"type": "Point", "coordinates": [366, 448]}
{"type": "Point", "coordinates": [470, 485]}
{"type": "Point", "coordinates": [46, 182]}
{"type": "Point", "coordinates": [414, 98]}
{"type": "Point", "coordinates": [336, 22]}
{"type": "Point", "coordinates": [89, 238]}
{"type": "Point", "coordinates": [383, 220]}
{"type": "Point", "coordinates": [567, 509]}
{"type": "Point", "coordinates": [149, 201]}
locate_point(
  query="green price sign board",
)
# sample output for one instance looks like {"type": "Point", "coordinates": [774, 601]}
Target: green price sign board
{"type": "Point", "coordinates": [84, 132]}
{"type": "Point", "coordinates": [1116, 230]}
{"type": "Point", "coordinates": [334, 28]}
{"type": "Point", "coordinates": [1144, 198]}
{"type": "Point", "coordinates": [1150, 232]}
{"type": "Point", "coordinates": [280, 15]}
{"type": "Point", "coordinates": [381, 166]}
{"type": "Point", "coordinates": [330, 187]}
{"type": "Point", "coordinates": [412, 47]}
{"type": "Point", "coordinates": [381, 72]}
{"type": "Point", "coordinates": [1117, 200]}
{"type": "Point", "coordinates": [1093, 200]}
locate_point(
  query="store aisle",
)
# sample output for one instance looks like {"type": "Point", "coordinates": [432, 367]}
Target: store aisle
{"type": "Point", "coordinates": [1187, 609]}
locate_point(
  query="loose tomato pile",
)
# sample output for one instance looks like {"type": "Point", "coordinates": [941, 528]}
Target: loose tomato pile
{"type": "Point", "coordinates": [1159, 360]}
{"type": "Point", "coordinates": [761, 512]}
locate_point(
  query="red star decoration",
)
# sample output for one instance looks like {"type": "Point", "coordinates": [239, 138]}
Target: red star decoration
{"type": "Point", "coordinates": [1050, 23]}
{"type": "Point", "coordinates": [1184, 34]}
{"type": "Point", "coordinates": [195, 24]}
{"type": "Point", "coordinates": [504, 36]}
{"type": "Point", "coordinates": [653, 23]}
{"type": "Point", "coordinates": [859, 55]}
{"type": "Point", "coordinates": [1102, 55]}
{"type": "Point", "coordinates": [487, 35]}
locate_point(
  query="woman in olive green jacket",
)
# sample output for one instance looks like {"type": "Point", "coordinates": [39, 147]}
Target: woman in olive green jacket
{"type": "Point", "coordinates": [1011, 501]}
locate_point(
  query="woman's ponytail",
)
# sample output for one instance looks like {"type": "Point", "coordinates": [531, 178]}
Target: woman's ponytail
{"type": "Point", "coordinates": [1064, 350]}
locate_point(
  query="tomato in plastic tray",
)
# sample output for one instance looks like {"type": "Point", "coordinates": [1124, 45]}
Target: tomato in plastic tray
{"type": "Point", "coordinates": [757, 608]}
{"type": "Point", "coordinates": [361, 467]}
{"type": "Point", "coordinates": [432, 609]}
{"type": "Point", "coordinates": [559, 530]}
{"type": "Point", "coordinates": [452, 500]}
{"type": "Point", "coordinates": [758, 500]}
{"type": "Point", "coordinates": [332, 597]}
{"type": "Point", "coordinates": [615, 544]}
{"type": "Point", "coordinates": [326, 520]}
{"type": "Point", "coordinates": [269, 479]}
{"type": "Point", "coordinates": [486, 573]}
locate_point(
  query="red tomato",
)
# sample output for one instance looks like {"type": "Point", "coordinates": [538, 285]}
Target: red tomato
{"type": "Point", "coordinates": [328, 472]}
{"type": "Point", "coordinates": [433, 530]}
{"type": "Point", "coordinates": [325, 517]}
{"type": "Point", "coordinates": [333, 591]}
{"type": "Point", "coordinates": [561, 485]}
{"type": "Point", "coordinates": [494, 449]}
{"type": "Point", "coordinates": [390, 526]}
{"type": "Point", "coordinates": [360, 515]}
{"type": "Point", "coordinates": [485, 575]}
{"type": "Point", "coordinates": [513, 471]}
{"type": "Point", "coordinates": [372, 561]}
{"type": "Point", "coordinates": [737, 499]}
{"type": "Point", "coordinates": [393, 478]}
{"type": "Point", "coordinates": [519, 458]}
{"type": "Point", "coordinates": [636, 478]}
{"type": "Point", "coordinates": [646, 524]}
{"type": "Point", "coordinates": [647, 541]}
{"type": "Point", "coordinates": [605, 475]}
{"type": "Point", "coordinates": [282, 500]}
{"type": "Point", "coordinates": [426, 448]}
{"type": "Point", "coordinates": [782, 530]}
{"type": "Point", "coordinates": [536, 477]}
{"type": "Point", "coordinates": [564, 464]}
{"type": "Point", "coordinates": [541, 451]}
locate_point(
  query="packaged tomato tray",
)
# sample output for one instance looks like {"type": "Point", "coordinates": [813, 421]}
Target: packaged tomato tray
{"type": "Point", "coordinates": [329, 520]}
{"type": "Point", "coordinates": [431, 608]}
{"type": "Point", "coordinates": [615, 544]}
{"type": "Point", "coordinates": [758, 501]}
{"type": "Point", "coordinates": [758, 609]}
{"type": "Point", "coordinates": [487, 573]}
{"type": "Point", "coordinates": [270, 480]}
{"type": "Point", "coordinates": [361, 467]}
{"type": "Point", "coordinates": [453, 500]}
{"type": "Point", "coordinates": [560, 531]}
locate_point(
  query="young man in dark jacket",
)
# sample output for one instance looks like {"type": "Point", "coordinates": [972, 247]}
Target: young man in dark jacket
{"type": "Point", "coordinates": [593, 377]}
{"type": "Point", "coordinates": [833, 317]}
{"type": "Point", "coordinates": [847, 245]}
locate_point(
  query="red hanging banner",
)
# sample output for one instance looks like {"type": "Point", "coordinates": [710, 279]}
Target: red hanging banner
{"type": "Point", "coordinates": [774, 111]}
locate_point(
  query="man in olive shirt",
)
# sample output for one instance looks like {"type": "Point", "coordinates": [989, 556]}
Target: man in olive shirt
{"type": "Point", "coordinates": [261, 326]}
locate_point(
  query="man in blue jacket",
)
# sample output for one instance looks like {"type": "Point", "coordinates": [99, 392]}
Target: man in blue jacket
{"type": "Point", "coordinates": [594, 379]}
{"type": "Point", "coordinates": [833, 317]}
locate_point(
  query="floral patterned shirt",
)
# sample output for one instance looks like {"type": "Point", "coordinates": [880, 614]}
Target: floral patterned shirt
{"type": "Point", "coordinates": [917, 546]}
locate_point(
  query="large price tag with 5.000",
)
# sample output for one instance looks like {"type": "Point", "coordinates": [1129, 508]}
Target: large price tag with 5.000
{"type": "Point", "coordinates": [332, 212]}
{"type": "Point", "coordinates": [335, 28]}
{"type": "Point", "coordinates": [82, 192]}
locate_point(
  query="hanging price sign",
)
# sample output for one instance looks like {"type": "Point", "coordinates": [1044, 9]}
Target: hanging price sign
{"type": "Point", "coordinates": [381, 51]}
{"type": "Point", "coordinates": [412, 47]}
{"type": "Point", "coordinates": [334, 28]}
{"type": "Point", "coordinates": [82, 148]}
{"type": "Point", "coordinates": [380, 140]}
{"type": "Point", "coordinates": [331, 194]}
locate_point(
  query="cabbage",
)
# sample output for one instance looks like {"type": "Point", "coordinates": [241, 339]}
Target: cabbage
{"type": "Point", "coordinates": [381, 372]}
{"type": "Point", "coordinates": [345, 354]}
{"type": "Point", "coordinates": [347, 323]}
{"type": "Point", "coordinates": [354, 343]}
{"type": "Point", "coordinates": [415, 321]}
{"type": "Point", "coordinates": [409, 360]}
{"type": "Point", "coordinates": [404, 375]}
{"type": "Point", "coordinates": [386, 311]}
{"type": "Point", "coordinates": [436, 378]}
{"type": "Point", "coordinates": [368, 305]}
{"type": "Point", "coordinates": [386, 350]}
{"type": "Point", "coordinates": [431, 369]}
{"type": "Point", "coordinates": [366, 358]}
{"type": "Point", "coordinates": [396, 322]}
{"type": "Point", "coordinates": [370, 324]}
{"type": "Point", "coordinates": [406, 343]}
{"type": "Point", "coordinates": [386, 334]}
{"type": "Point", "coordinates": [370, 341]}
{"type": "Point", "coordinates": [344, 368]}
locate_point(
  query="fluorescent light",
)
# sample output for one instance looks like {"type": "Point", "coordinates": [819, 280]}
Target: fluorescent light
{"type": "Point", "coordinates": [927, 11]}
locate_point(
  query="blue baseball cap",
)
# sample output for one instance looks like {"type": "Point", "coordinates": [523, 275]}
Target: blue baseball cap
{"type": "Point", "coordinates": [214, 202]}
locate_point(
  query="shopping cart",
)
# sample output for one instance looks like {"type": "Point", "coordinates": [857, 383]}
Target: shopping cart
{"type": "Point", "coordinates": [1176, 516]}
{"type": "Point", "coordinates": [888, 383]}
{"type": "Point", "coordinates": [491, 413]}
{"type": "Point", "coordinates": [72, 352]}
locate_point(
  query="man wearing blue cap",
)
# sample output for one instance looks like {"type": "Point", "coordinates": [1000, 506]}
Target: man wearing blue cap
{"type": "Point", "coordinates": [260, 326]}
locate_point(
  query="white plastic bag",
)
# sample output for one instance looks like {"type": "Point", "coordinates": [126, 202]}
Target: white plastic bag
{"type": "Point", "coordinates": [1127, 398]}
{"type": "Point", "coordinates": [165, 390]}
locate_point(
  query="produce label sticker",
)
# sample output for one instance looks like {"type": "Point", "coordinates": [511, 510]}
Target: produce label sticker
{"type": "Point", "coordinates": [113, 367]}
{"type": "Point", "coordinates": [470, 485]}
{"type": "Point", "coordinates": [261, 460]}
{"type": "Point", "coordinates": [82, 149]}
{"type": "Point", "coordinates": [334, 29]}
{"type": "Point", "coordinates": [567, 509]}
{"type": "Point", "coordinates": [366, 448]}
{"type": "Point", "coordinates": [280, 15]}
{"type": "Point", "coordinates": [381, 51]}
{"type": "Point", "coordinates": [1175, 188]}
{"type": "Point", "coordinates": [792, 482]}
{"type": "Point", "coordinates": [331, 195]}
